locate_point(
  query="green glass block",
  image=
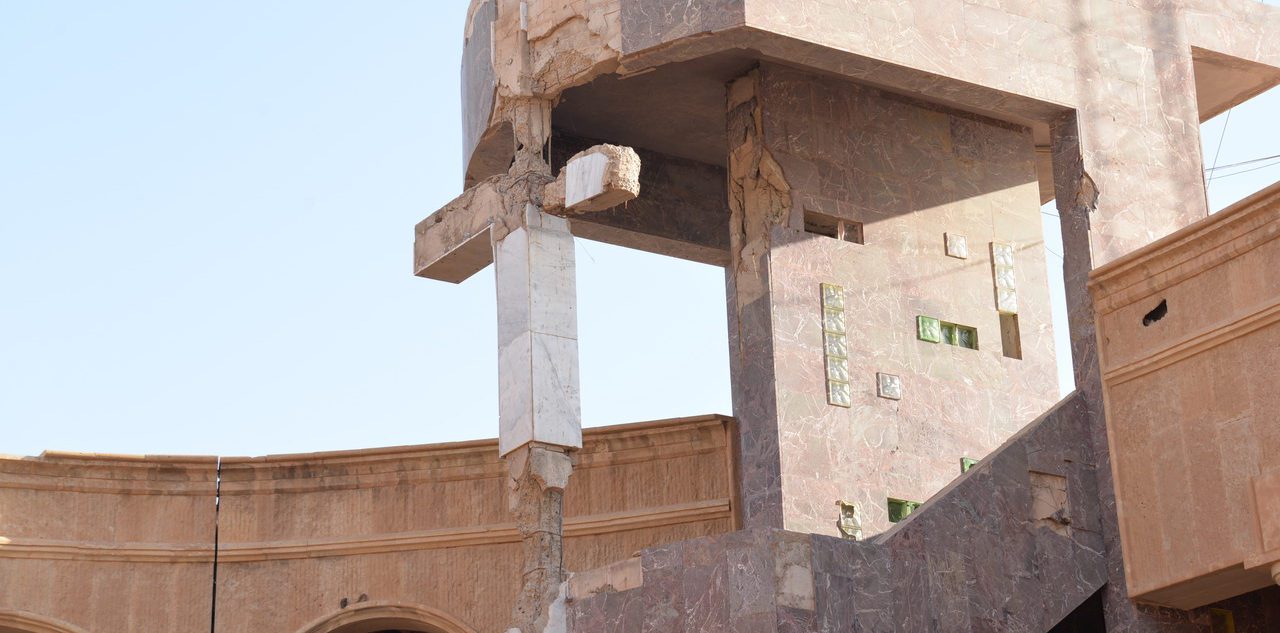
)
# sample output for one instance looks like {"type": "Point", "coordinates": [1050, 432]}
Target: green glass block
{"type": "Point", "coordinates": [966, 463]}
{"type": "Point", "coordinates": [832, 296]}
{"type": "Point", "coordinates": [839, 394]}
{"type": "Point", "coordinates": [835, 345]}
{"type": "Point", "coordinates": [928, 329]}
{"type": "Point", "coordinates": [900, 509]}
{"type": "Point", "coordinates": [833, 321]}
{"type": "Point", "coordinates": [966, 337]}
{"type": "Point", "coordinates": [948, 333]}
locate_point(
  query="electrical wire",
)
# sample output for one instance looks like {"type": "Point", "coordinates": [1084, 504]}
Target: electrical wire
{"type": "Point", "coordinates": [1218, 152]}
{"type": "Point", "coordinates": [1245, 171]}
{"type": "Point", "coordinates": [217, 508]}
{"type": "Point", "coordinates": [1243, 162]}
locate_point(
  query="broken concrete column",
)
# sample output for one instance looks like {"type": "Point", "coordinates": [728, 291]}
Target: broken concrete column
{"type": "Point", "coordinates": [759, 201]}
{"type": "Point", "coordinates": [539, 411]}
{"type": "Point", "coordinates": [538, 474]}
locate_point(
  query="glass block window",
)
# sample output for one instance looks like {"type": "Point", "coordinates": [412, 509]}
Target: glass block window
{"type": "Point", "coordinates": [936, 331]}
{"type": "Point", "coordinates": [900, 509]}
{"type": "Point", "coordinates": [967, 463]}
{"type": "Point", "coordinates": [1002, 273]}
{"type": "Point", "coordinates": [888, 386]}
{"type": "Point", "coordinates": [929, 329]}
{"type": "Point", "coordinates": [835, 346]}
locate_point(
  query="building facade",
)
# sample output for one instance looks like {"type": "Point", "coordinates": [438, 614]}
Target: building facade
{"type": "Point", "coordinates": [871, 177]}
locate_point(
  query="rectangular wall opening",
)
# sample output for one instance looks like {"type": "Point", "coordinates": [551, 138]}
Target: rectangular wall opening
{"type": "Point", "coordinates": [1010, 336]}
{"type": "Point", "coordinates": [833, 227]}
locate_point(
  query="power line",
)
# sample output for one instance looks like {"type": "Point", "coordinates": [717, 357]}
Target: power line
{"type": "Point", "coordinates": [1245, 171]}
{"type": "Point", "coordinates": [1243, 162]}
{"type": "Point", "coordinates": [1218, 153]}
{"type": "Point", "coordinates": [217, 508]}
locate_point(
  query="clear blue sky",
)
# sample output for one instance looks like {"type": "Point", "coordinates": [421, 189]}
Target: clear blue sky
{"type": "Point", "coordinates": [206, 215]}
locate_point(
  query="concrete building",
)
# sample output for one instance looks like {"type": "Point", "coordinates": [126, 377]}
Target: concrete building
{"type": "Point", "coordinates": [870, 175]}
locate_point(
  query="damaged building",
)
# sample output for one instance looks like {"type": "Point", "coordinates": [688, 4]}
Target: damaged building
{"type": "Point", "coordinates": [870, 176]}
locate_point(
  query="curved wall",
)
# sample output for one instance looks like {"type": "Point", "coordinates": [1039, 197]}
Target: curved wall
{"type": "Point", "coordinates": [118, 544]}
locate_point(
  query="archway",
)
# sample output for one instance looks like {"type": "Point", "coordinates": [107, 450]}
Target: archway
{"type": "Point", "coordinates": [24, 622]}
{"type": "Point", "coordinates": [376, 617]}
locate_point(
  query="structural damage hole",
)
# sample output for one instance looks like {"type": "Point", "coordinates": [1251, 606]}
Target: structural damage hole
{"type": "Point", "coordinates": [1156, 314]}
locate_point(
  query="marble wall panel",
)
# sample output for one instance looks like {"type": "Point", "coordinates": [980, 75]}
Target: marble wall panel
{"type": "Point", "coordinates": [910, 173]}
{"type": "Point", "coordinates": [969, 560]}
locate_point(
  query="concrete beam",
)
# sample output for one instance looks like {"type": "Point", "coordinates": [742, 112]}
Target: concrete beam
{"type": "Point", "coordinates": [455, 242]}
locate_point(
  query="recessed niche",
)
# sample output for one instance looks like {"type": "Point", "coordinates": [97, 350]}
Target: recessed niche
{"type": "Point", "coordinates": [1010, 336]}
{"type": "Point", "coordinates": [1050, 502]}
{"type": "Point", "coordinates": [933, 330]}
{"type": "Point", "coordinates": [833, 227]}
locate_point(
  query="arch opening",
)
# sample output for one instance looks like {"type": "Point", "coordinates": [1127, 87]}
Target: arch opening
{"type": "Point", "coordinates": [387, 618]}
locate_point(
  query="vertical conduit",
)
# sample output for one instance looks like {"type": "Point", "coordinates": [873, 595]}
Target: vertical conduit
{"type": "Point", "coordinates": [217, 507]}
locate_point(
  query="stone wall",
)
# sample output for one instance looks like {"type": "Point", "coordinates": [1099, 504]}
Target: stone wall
{"type": "Point", "coordinates": [1015, 545]}
{"type": "Point", "coordinates": [118, 544]}
{"type": "Point", "coordinates": [984, 555]}
{"type": "Point", "coordinates": [909, 174]}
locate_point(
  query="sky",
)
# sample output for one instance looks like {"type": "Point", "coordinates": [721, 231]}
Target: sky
{"type": "Point", "coordinates": [206, 221]}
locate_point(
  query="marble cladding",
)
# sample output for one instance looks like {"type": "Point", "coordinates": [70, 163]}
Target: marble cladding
{"type": "Point", "coordinates": [971, 559]}
{"type": "Point", "coordinates": [538, 394]}
{"type": "Point", "coordinates": [909, 173]}
{"type": "Point", "coordinates": [1125, 67]}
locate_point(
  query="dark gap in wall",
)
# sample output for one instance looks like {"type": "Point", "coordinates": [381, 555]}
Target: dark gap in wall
{"type": "Point", "coordinates": [833, 227]}
{"type": "Point", "coordinates": [1156, 314]}
{"type": "Point", "coordinates": [1087, 618]}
